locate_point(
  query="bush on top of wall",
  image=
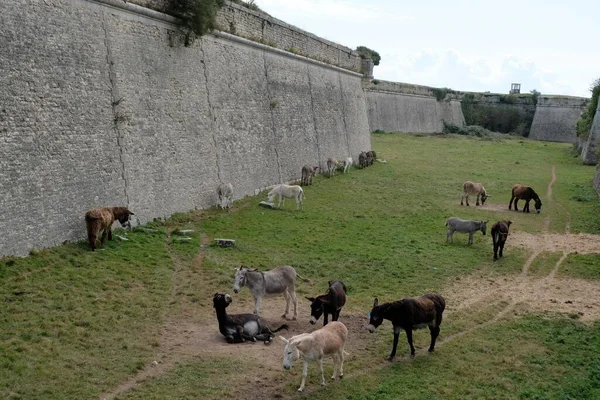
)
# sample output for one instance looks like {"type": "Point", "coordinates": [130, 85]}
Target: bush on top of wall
{"type": "Point", "coordinates": [584, 125]}
{"type": "Point", "coordinates": [196, 17]}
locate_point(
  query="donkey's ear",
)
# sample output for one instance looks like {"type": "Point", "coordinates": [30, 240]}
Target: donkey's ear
{"type": "Point", "coordinates": [329, 283]}
{"type": "Point", "coordinates": [375, 302]}
{"type": "Point", "coordinates": [508, 223]}
{"type": "Point", "coordinates": [311, 299]}
{"type": "Point", "coordinates": [130, 213]}
{"type": "Point", "coordinates": [286, 341]}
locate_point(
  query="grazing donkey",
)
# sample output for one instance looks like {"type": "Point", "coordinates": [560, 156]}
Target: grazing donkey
{"type": "Point", "coordinates": [238, 328]}
{"type": "Point", "coordinates": [464, 226]}
{"type": "Point", "coordinates": [362, 159]}
{"type": "Point", "coordinates": [371, 156]}
{"type": "Point", "coordinates": [332, 165]}
{"type": "Point", "coordinates": [329, 340]}
{"type": "Point", "coordinates": [347, 164]}
{"type": "Point", "coordinates": [99, 221]}
{"type": "Point", "coordinates": [283, 191]}
{"type": "Point", "coordinates": [409, 314]}
{"type": "Point", "coordinates": [499, 235]}
{"type": "Point", "coordinates": [278, 280]}
{"type": "Point", "coordinates": [308, 173]}
{"type": "Point", "coordinates": [473, 189]}
{"type": "Point", "coordinates": [329, 303]}
{"type": "Point", "coordinates": [225, 193]}
{"type": "Point", "coordinates": [522, 192]}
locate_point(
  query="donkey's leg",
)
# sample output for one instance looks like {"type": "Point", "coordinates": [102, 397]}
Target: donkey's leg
{"type": "Point", "coordinates": [526, 207]}
{"type": "Point", "coordinates": [477, 200]}
{"type": "Point", "coordinates": [435, 331]}
{"type": "Point", "coordinates": [471, 237]}
{"type": "Point", "coordinates": [257, 301]}
{"type": "Point", "coordinates": [292, 292]}
{"type": "Point", "coordinates": [341, 362]}
{"type": "Point", "coordinates": [395, 345]}
{"type": "Point", "coordinates": [304, 374]}
{"type": "Point", "coordinates": [322, 373]}
{"type": "Point", "coordinates": [92, 239]}
{"type": "Point", "coordinates": [287, 296]}
{"type": "Point", "coordinates": [510, 202]}
{"type": "Point", "coordinates": [516, 201]}
{"type": "Point", "coordinates": [326, 318]}
{"type": "Point", "coordinates": [462, 196]}
{"type": "Point", "coordinates": [501, 246]}
{"type": "Point", "coordinates": [335, 357]}
{"type": "Point", "coordinates": [410, 342]}
{"type": "Point", "coordinates": [449, 235]}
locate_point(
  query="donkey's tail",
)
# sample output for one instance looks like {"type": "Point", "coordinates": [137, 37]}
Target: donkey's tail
{"type": "Point", "coordinates": [496, 236]}
{"type": "Point", "coordinates": [284, 326]}
{"type": "Point", "coordinates": [303, 278]}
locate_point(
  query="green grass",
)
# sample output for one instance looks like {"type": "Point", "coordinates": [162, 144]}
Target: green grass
{"type": "Point", "coordinates": [75, 323]}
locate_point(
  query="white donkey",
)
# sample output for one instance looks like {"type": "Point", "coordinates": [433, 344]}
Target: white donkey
{"type": "Point", "coordinates": [347, 164]}
{"type": "Point", "coordinates": [283, 191]}
{"type": "Point", "coordinates": [225, 193]}
{"type": "Point", "coordinates": [327, 341]}
{"type": "Point", "coordinates": [278, 280]}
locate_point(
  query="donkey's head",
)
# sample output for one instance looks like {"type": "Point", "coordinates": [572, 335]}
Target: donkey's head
{"type": "Point", "coordinates": [376, 315]}
{"type": "Point", "coordinates": [221, 300]}
{"type": "Point", "coordinates": [240, 278]}
{"type": "Point", "coordinates": [122, 214]}
{"type": "Point", "coordinates": [483, 226]}
{"type": "Point", "coordinates": [316, 307]}
{"type": "Point", "coordinates": [484, 197]}
{"type": "Point", "coordinates": [538, 205]}
{"type": "Point", "coordinates": [290, 353]}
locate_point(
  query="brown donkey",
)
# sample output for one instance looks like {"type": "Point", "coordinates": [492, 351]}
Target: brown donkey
{"type": "Point", "coordinates": [99, 222]}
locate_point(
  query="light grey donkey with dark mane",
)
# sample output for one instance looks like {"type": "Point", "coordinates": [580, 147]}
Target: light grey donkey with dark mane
{"type": "Point", "coordinates": [455, 224]}
{"type": "Point", "coordinates": [278, 280]}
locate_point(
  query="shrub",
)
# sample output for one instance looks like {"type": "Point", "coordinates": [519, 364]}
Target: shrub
{"type": "Point", "coordinates": [196, 17]}
{"type": "Point", "coordinates": [440, 93]}
{"type": "Point", "coordinates": [365, 52]}
{"type": "Point", "coordinates": [584, 124]}
{"type": "Point", "coordinates": [535, 96]}
{"type": "Point", "coordinates": [248, 4]}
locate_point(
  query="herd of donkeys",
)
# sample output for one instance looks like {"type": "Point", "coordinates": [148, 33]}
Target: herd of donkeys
{"type": "Point", "coordinates": [407, 314]}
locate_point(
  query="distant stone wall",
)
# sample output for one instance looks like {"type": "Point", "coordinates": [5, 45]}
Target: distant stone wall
{"type": "Point", "coordinates": [555, 118]}
{"type": "Point", "coordinates": [100, 106]}
{"type": "Point", "coordinates": [401, 107]}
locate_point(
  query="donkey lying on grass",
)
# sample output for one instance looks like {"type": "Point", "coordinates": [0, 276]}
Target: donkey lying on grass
{"type": "Point", "coordinates": [99, 221]}
{"type": "Point", "coordinates": [499, 235]}
{"type": "Point", "coordinates": [329, 303]}
{"type": "Point", "coordinates": [409, 314]}
{"type": "Point", "coordinates": [329, 340]}
{"type": "Point", "coordinates": [278, 280]}
{"type": "Point", "coordinates": [283, 191]}
{"type": "Point", "coordinates": [464, 226]}
{"type": "Point", "coordinates": [238, 328]}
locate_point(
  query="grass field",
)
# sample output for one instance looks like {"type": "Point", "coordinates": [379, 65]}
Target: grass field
{"type": "Point", "coordinates": [79, 325]}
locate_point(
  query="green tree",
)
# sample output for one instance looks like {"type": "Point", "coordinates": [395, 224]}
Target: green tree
{"type": "Point", "coordinates": [366, 52]}
{"type": "Point", "coordinates": [196, 17]}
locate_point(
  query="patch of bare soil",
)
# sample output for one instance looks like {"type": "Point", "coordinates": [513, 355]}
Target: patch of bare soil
{"type": "Point", "coordinates": [570, 243]}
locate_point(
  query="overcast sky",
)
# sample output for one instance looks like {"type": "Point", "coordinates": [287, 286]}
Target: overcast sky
{"type": "Point", "coordinates": [479, 45]}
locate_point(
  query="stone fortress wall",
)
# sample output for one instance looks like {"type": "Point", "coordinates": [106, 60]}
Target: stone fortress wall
{"type": "Point", "coordinates": [100, 106]}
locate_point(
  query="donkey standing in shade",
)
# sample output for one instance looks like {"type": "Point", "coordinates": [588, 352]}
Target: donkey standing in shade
{"type": "Point", "coordinates": [329, 303]}
{"type": "Point", "coordinates": [522, 192]}
{"type": "Point", "coordinates": [464, 226]}
{"type": "Point", "coordinates": [238, 328]}
{"type": "Point", "coordinates": [409, 314]}
{"type": "Point", "coordinates": [499, 235]}
{"type": "Point", "coordinates": [225, 194]}
{"type": "Point", "coordinates": [278, 280]}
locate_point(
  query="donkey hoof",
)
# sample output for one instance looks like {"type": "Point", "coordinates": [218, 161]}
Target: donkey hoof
{"type": "Point", "coordinates": [300, 389]}
{"type": "Point", "coordinates": [389, 358]}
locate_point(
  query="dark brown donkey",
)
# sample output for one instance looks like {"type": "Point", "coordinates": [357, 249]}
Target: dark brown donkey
{"type": "Point", "coordinates": [499, 235]}
{"type": "Point", "coordinates": [329, 303]}
{"type": "Point", "coordinates": [522, 192]}
{"type": "Point", "coordinates": [409, 314]}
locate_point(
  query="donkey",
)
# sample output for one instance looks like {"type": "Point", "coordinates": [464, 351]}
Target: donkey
{"type": "Point", "coordinates": [332, 165]}
{"type": "Point", "coordinates": [464, 226]}
{"type": "Point", "coordinates": [283, 191]}
{"type": "Point", "coordinates": [473, 189]}
{"type": "Point", "coordinates": [499, 235]}
{"type": "Point", "coordinates": [362, 159]}
{"type": "Point", "coordinates": [307, 174]}
{"type": "Point", "coordinates": [347, 164]}
{"type": "Point", "coordinates": [329, 303]}
{"type": "Point", "coordinates": [329, 340]}
{"type": "Point", "coordinates": [409, 314]}
{"type": "Point", "coordinates": [278, 280]}
{"type": "Point", "coordinates": [99, 221]}
{"type": "Point", "coordinates": [522, 192]}
{"type": "Point", "coordinates": [238, 328]}
{"type": "Point", "coordinates": [225, 193]}
{"type": "Point", "coordinates": [371, 156]}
